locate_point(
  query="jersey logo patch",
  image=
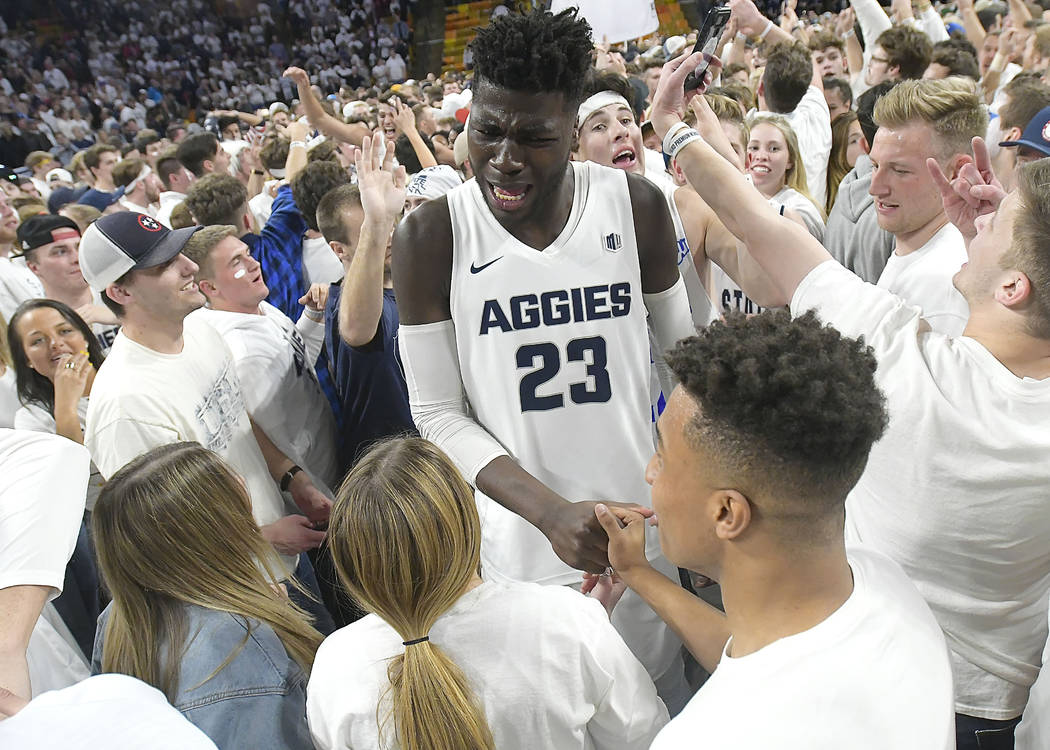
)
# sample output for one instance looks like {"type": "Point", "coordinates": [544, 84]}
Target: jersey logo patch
{"type": "Point", "coordinates": [479, 269]}
{"type": "Point", "coordinates": [612, 242]}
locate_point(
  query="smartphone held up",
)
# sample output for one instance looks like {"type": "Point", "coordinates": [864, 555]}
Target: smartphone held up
{"type": "Point", "coordinates": [707, 41]}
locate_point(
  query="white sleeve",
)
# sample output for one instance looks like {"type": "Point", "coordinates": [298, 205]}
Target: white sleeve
{"type": "Point", "coordinates": [436, 397]}
{"type": "Point", "coordinates": [628, 714]}
{"type": "Point", "coordinates": [116, 444]}
{"type": "Point", "coordinates": [45, 481]}
{"type": "Point", "coordinates": [312, 332]}
{"type": "Point", "coordinates": [873, 21]}
{"type": "Point", "coordinates": [669, 316]}
{"type": "Point", "coordinates": [930, 21]}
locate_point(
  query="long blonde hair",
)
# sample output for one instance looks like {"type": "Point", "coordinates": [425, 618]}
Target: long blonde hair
{"type": "Point", "coordinates": [406, 542]}
{"type": "Point", "coordinates": [838, 167]}
{"type": "Point", "coordinates": [795, 176]}
{"type": "Point", "coordinates": [171, 528]}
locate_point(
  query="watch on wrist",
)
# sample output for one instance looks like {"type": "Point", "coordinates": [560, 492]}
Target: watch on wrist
{"type": "Point", "coordinates": [286, 480]}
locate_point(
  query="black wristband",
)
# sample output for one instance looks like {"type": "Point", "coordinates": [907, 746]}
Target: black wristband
{"type": "Point", "coordinates": [286, 480]}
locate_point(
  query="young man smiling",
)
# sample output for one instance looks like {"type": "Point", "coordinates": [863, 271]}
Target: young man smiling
{"type": "Point", "coordinates": [523, 297]}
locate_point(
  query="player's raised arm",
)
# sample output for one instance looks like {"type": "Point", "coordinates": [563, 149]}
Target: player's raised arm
{"type": "Point", "coordinates": [784, 250]}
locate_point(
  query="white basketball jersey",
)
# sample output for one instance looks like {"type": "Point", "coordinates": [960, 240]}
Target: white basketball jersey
{"type": "Point", "coordinates": [700, 306]}
{"type": "Point", "coordinates": [554, 356]}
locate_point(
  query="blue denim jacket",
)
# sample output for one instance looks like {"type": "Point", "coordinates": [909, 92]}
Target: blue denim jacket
{"type": "Point", "coordinates": [256, 702]}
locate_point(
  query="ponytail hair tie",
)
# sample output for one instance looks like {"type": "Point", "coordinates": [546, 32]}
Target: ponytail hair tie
{"type": "Point", "coordinates": [417, 640]}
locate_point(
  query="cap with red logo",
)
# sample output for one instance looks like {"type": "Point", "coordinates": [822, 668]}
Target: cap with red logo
{"type": "Point", "coordinates": [127, 241]}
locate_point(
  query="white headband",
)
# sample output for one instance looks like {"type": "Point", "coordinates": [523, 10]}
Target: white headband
{"type": "Point", "coordinates": [593, 103]}
{"type": "Point", "coordinates": [142, 175]}
{"type": "Point", "coordinates": [278, 173]}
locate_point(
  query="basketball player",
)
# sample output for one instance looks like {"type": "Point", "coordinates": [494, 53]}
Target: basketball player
{"type": "Point", "coordinates": [523, 297]}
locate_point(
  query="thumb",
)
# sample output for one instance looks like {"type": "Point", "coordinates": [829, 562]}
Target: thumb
{"type": "Point", "coordinates": [606, 518]}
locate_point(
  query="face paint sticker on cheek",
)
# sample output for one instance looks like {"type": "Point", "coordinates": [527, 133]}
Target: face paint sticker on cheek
{"type": "Point", "coordinates": [240, 274]}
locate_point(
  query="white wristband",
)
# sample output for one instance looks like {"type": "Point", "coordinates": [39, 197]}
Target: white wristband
{"type": "Point", "coordinates": [293, 144]}
{"type": "Point", "coordinates": [741, 36]}
{"type": "Point", "coordinates": [683, 139]}
{"type": "Point", "coordinates": [765, 31]}
{"type": "Point", "coordinates": [671, 132]}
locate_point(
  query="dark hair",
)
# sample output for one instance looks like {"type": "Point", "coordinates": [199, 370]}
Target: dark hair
{"type": "Point", "coordinates": [823, 40]}
{"type": "Point", "coordinates": [789, 70]}
{"type": "Point", "coordinates": [274, 153]}
{"type": "Point", "coordinates": [145, 137]}
{"type": "Point", "coordinates": [1027, 97]}
{"type": "Point", "coordinates": [866, 108]}
{"type": "Point", "coordinates": [990, 14]}
{"type": "Point", "coordinates": [195, 150]}
{"type": "Point", "coordinates": [167, 165]}
{"type": "Point", "coordinates": [93, 154]}
{"type": "Point", "coordinates": [324, 151]}
{"type": "Point", "coordinates": [311, 184]}
{"type": "Point", "coordinates": [536, 52]}
{"type": "Point", "coordinates": [405, 152]}
{"type": "Point", "coordinates": [34, 388]}
{"type": "Point", "coordinates": [907, 49]}
{"type": "Point", "coordinates": [956, 58]}
{"type": "Point", "coordinates": [330, 212]}
{"type": "Point", "coordinates": [788, 408]}
{"type": "Point", "coordinates": [217, 199]}
{"type": "Point", "coordinates": [842, 86]}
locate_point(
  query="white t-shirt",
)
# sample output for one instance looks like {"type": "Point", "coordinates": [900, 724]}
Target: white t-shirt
{"type": "Point", "coordinates": [37, 418]}
{"type": "Point", "coordinates": [803, 206]}
{"type": "Point", "coordinates": [37, 537]}
{"type": "Point", "coordinates": [142, 399]}
{"type": "Point", "coordinates": [9, 403]}
{"type": "Point", "coordinates": [546, 665]}
{"type": "Point", "coordinates": [17, 284]}
{"type": "Point", "coordinates": [275, 360]}
{"type": "Point", "coordinates": [873, 675]}
{"type": "Point", "coordinates": [1033, 733]}
{"type": "Point", "coordinates": [168, 200]}
{"type": "Point", "coordinates": [261, 205]}
{"type": "Point", "coordinates": [320, 263]}
{"type": "Point", "coordinates": [924, 278]}
{"type": "Point", "coordinates": [811, 122]}
{"type": "Point", "coordinates": [966, 439]}
{"type": "Point", "coordinates": [113, 711]}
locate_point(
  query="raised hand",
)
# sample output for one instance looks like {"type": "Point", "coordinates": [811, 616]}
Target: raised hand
{"type": "Point", "coordinates": [748, 17]}
{"type": "Point", "coordinates": [973, 192]}
{"type": "Point", "coordinates": [404, 117]}
{"type": "Point", "coordinates": [382, 186]}
{"type": "Point", "coordinates": [71, 377]}
{"type": "Point", "coordinates": [298, 76]}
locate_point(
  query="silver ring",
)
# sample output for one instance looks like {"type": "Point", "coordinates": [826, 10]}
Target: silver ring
{"type": "Point", "coordinates": [70, 366]}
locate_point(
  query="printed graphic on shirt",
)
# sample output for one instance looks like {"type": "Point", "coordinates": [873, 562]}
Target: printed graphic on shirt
{"type": "Point", "coordinates": [218, 412]}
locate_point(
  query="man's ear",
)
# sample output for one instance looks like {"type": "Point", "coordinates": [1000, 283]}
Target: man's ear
{"type": "Point", "coordinates": [119, 294]}
{"type": "Point", "coordinates": [894, 72]}
{"type": "Point", "coordinates": [208, 288]}
{"type": "Point", "coordinates": [1013, 134]}
{"type": "Point", "coordinates": [734, 514]}
{"type": "Point", "coordinates": [338, 248]}
{"type": "Point", "coordinates": [1015, 290]}
{"type": "Point", "coordinates": [956, 163]}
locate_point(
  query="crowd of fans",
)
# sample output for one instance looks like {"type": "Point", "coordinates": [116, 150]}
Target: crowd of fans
{"type": "Point", "coordinates": [242, 265]}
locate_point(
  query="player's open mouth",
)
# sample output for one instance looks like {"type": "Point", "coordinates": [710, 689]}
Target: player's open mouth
{"type": "Point", "coordinates": [625, 159]}
{"type": "Point", "coordinates": [509, 198]}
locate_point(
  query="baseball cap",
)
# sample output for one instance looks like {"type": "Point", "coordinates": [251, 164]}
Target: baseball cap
{"type": "Point", "coordinates": [278, 107]}
{"type": "Point", "coordinates": [1036, 133]}
{"type": "Point", "coordinates": [127, 241]}
{"type": "Point", "coordinates": [58, 174]}
{"type": "Point", "coordinates": [100, 199]}
{"type": "Point", "coordinates": [40, 230]}
{"type": "Point", "coordinates": [433, 182]}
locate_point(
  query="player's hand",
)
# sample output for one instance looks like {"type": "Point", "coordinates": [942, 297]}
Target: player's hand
{"type": "Point", "coordinates": [311, 501]}
{"type": "Point", "coordinates": [298, 76]}
{"type": "Point", "coordinates": [292, 535]}
{"type": "Point", "coordinates": [316, 297]}
{"type": "Point", "coordinates": [382, 186]}
{"type": "Point", "coordinates": [625, 530]}
{"type": "Point", "coordinates": [606, 587]}
{"type": "Point", "coordinates": [577, 537]}
{"type": "Point", "coordinates": [973, 192]}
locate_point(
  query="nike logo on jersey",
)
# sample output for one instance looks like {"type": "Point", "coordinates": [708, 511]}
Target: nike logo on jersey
{"type": "Point", "coordinates": [479, 269]}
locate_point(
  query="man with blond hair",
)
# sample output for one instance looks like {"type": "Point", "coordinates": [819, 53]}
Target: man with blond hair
{"type": "Point", "coordinates": [919, 120]}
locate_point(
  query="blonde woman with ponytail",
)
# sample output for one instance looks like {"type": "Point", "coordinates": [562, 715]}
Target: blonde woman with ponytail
{"type": "Point", "coordinates": [194, 611]}
{"type": "Point", "coordinates": [447, 661]}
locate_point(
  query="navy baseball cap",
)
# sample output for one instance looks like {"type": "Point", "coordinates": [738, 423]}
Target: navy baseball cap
{"type": "Point", "coordinates": [127, 241]}
{"type": "Point", "coordinates": [1036, 133]}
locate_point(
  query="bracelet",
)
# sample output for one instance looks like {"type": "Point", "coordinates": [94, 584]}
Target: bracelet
{"type": "Point", "coordinates": [315, 315]}
{"type": "Point", "coordinates": [741, 36]}
{"type": "Point", "coordinates": [293, 144]}
{"type": "Point", "coordinates": [289, 475]}
{"type": "Point", "coordinates": [765, 31]}
{"type": "Point", "coordinates": [671, 133]}
{"type": "Point", "coordinates": [258, 172]}
{"type": "Point", "coordinates": [848, 33]}
{"type": "Point", "coordinates": [683, 139]}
